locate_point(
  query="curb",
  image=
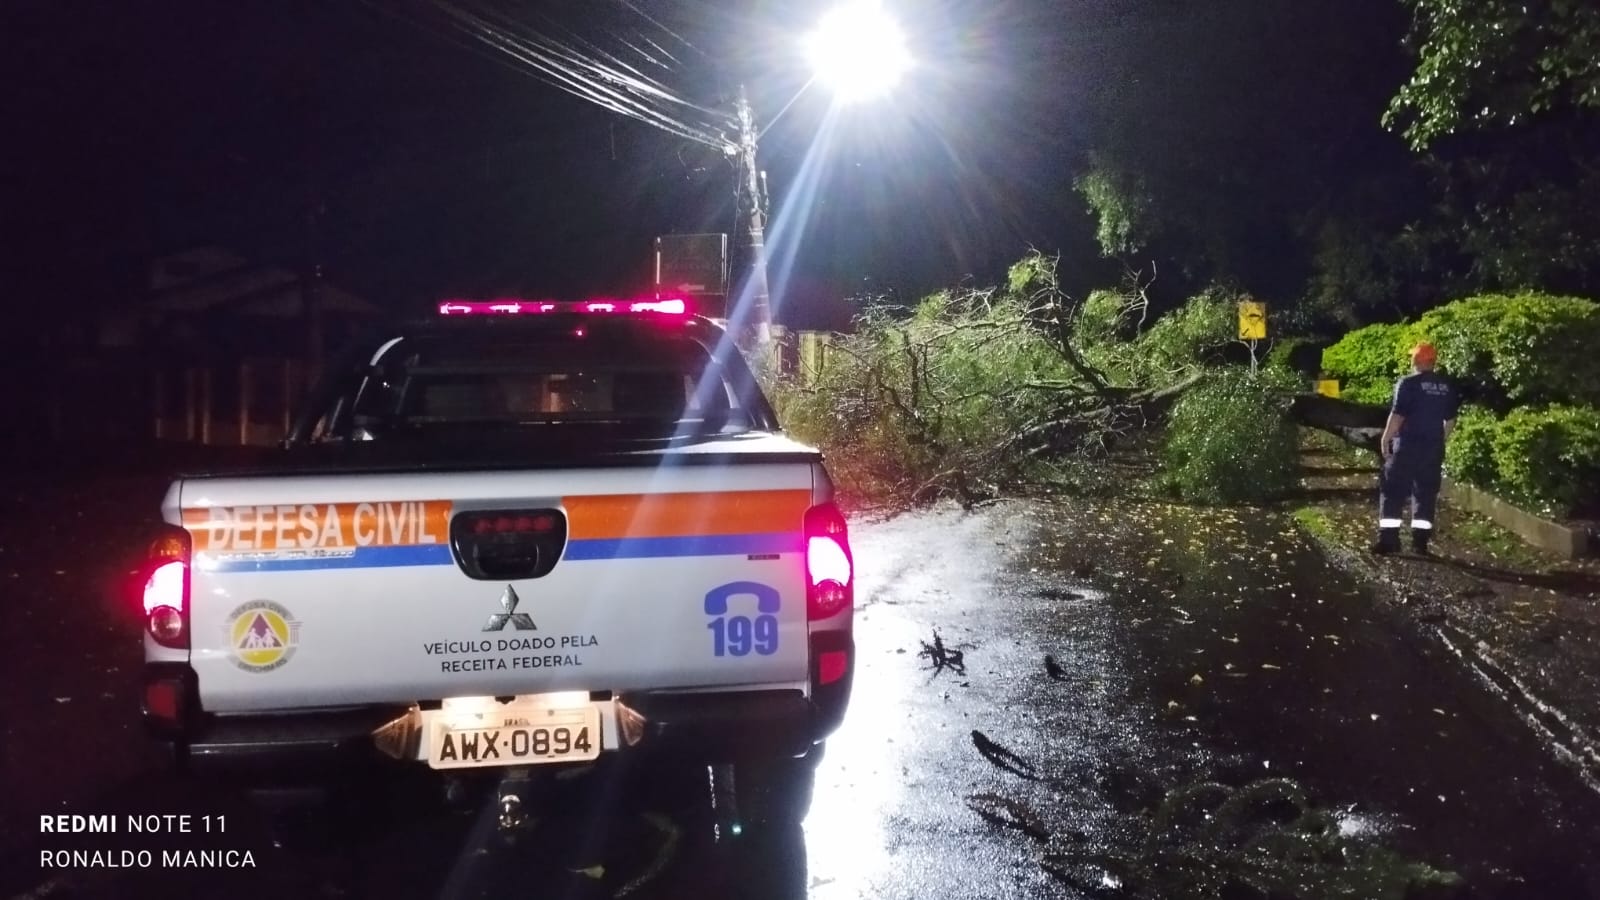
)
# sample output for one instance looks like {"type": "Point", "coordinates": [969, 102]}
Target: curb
{"type": "Point", "coordinates": [1567, 543]}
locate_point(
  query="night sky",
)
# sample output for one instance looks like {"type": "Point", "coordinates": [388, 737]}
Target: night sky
{"type": "Point", "coordinates": [141, 129]}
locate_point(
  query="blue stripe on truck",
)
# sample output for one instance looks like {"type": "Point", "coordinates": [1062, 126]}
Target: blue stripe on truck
{"type": "Point", "coordinates": [360, 558]}
{"type": "Point", "coordinates": [579, 550]}
{"type": "Point", "coordinates": [685, 545]}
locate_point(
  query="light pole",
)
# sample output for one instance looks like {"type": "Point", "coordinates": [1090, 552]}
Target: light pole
{"type": "Point", "coordinates": [755, 321]}
{"type": "Point", "coordinates": [857, 51]}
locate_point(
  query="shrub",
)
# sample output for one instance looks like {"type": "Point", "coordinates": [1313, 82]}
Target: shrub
{"type": "Point", "coordinates": [1550, 456]}
{"type": "Point", "coordinates": [1505, 350]}
{"type": "Point", "coordinates": [1366, 362]}
{"type": "Point", "coordinates": [1230, 440]}
{"type": "Point", "coordinates": [1469, 456]}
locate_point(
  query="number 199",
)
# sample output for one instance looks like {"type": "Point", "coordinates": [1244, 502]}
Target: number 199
{"type": "Point", "coordinates": [738, 635]}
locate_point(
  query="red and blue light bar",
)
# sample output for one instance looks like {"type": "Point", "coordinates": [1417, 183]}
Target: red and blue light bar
{"type": "Point", "coordinates": [671, 307]}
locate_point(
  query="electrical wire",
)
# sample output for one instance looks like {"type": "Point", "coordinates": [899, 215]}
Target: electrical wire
{"type": "Point", "coordinates": [583, 77]}
{"type": "Point", "coordinates": [567, 68]}
{"type": "Point", "coordinates": [596, 76]}
{"type": "Point", "coordinates": [676, 36]}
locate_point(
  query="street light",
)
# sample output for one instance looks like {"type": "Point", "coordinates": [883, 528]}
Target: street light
{"type": "Point", "coordinates": [859, 53]}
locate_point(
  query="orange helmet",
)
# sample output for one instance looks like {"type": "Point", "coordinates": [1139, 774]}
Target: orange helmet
{"type": "Point", "coordinates": [1424, 353]}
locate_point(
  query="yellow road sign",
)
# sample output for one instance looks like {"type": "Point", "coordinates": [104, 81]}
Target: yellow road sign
{"type": "Point", "coordinates": [1252, 321]}
{"type": "Point", "coordinates": [1328, 387]}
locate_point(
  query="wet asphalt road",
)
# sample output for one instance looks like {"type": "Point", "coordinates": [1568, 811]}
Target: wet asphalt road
{"type": "Point", "coordinates": [1225, 716]}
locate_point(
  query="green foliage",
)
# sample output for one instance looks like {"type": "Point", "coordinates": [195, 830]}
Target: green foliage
{"type": "Point", "coordinates": [1353, 271]}
{"type": "Point", "coordinates": [1032, 274]}
{"type": "Point", "coordinates": [1469, 455]}
{"type": "Point", "coordinates": [1366, 362]}
{"type": "Point", "coordinates": [1496, 63]}
{"type": "Point", "coordinates": [1526, 223]}
{"type": "Point", "coordinates": [1525, 349]}
{"type": "Point", "coordinates": [1315, 522]}
{"type": "Point", "coordinates": [1231, 441]}
{"type": "Point", "coordinates": [1545, 457]}
{"type": "Point", "coordinates": [1297, 356]}
{"type": "Point", "coordinates": [1112, 335]}
{"type": "Point", "coordinates": [935, 404]}
{"type": "Point", "coordinates": [1550, 456]}
{"type": "Point", "coordinates": [1121, 204]}
{"type": "Point", "coordinates": [1109, 325]}
{"type": "Point", "coordinates": [1104, 319]}
{"type": "Point", "coordinates": [984, 392]}
{"type": "Point", "coordinates": [1186, 339]}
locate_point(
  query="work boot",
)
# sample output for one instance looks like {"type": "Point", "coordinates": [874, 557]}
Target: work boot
{"type": "Point", "coordinates": [1419, 540]}
{"type": "Point", "coordinates": [1388, 541]}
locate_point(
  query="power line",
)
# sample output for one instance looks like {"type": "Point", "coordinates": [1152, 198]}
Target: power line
{"type": "Point", "coordinates": [676, 36]}
{"type": "Point", "coordinates": [638, 81]}
{"type": "Point", "coordinates": [633, 95]}
{"type": "Point", "coordinates": [561, 73]}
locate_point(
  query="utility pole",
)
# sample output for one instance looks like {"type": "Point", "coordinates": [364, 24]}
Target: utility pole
{"type": "Point", "coordinates": [755, 321]}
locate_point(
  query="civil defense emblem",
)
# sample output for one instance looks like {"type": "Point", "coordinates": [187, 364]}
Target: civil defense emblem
{"type": "Point", "coordinates": [262, 636]}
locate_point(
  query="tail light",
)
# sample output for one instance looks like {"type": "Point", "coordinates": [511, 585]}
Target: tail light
{"type": "Point", "coordinates": [166, 589]}
{"type": "Point", "coordinates": [830, 583]}
{"type": "Point", "coordinates": [169, 697]}
{"type": "Point", "coordinates": [508, 544]}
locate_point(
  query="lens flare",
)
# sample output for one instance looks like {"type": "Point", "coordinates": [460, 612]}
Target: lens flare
{"type": "Point", "coordinates": [858, 51]}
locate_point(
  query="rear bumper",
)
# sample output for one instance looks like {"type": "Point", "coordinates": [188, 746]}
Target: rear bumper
{"type": "Point", "coordinates": [287, 746]}
{"type": "Point", "coordinates": [704, 726]}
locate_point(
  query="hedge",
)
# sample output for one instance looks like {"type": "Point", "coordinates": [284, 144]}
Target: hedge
{"type": "Point", "coordinates": [1469, 455]}
{"type": "Point", "coordinates": [1364, 362]}
{"type": "Point", "coordinates": [1546, 457]}
{"type": "Point", "coordinates": [1504, 350]}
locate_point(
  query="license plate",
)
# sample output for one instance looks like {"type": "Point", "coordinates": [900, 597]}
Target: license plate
{"type": "Point", "coordinates": [530, 737]}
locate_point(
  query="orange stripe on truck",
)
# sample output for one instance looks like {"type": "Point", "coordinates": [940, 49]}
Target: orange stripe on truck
{"type": "Point", "coordinates": [319, 526]}
{"type": "Point", "coordinates": [672, 515]}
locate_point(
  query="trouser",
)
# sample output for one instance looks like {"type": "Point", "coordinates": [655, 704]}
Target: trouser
{"type": "Point", "coordinates": [1412, 471]}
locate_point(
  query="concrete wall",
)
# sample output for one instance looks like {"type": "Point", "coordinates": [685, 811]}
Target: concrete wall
{"type": "Point", "coordinates": [1564, 541]}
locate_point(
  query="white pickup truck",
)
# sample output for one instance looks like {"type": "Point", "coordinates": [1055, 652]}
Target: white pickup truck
{"type": "Point", "coordinates": [521, 534]}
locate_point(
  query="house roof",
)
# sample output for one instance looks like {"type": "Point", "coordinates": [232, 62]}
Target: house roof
{"type": "Point", "coordinates": [212, 279]}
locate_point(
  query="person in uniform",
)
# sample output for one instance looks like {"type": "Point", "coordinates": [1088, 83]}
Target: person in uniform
{"type": "Point", "coordinates": [1424, 412]}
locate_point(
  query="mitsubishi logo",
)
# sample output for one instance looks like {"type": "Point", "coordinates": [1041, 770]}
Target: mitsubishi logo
{"type": "Point", "coordinates": [508, 613]}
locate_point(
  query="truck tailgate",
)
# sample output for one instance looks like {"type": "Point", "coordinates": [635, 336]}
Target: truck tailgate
{"type": "Point", "coordinates": [315, 591]}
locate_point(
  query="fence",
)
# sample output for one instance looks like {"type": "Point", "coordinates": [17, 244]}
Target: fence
{"type": "Point", "coordinates": [814, 348]}
{"type": "Point", "coordinates": [248, 404]}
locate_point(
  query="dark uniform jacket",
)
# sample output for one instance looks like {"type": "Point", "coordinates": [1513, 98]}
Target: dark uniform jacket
{"type": "Point", "coordinates": [1427, 400]}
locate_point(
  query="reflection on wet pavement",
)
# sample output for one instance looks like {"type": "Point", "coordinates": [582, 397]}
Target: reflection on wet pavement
{"type": "Point", "coordinates": [1053, 700]}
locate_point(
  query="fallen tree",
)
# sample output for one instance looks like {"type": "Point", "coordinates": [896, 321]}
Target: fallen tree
{"type": "Point", "coordinates": [1358, 424]}
{"type": "Point", "coordinates": [978, 393]}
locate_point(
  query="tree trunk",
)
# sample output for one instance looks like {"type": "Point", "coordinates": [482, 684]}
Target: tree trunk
{"type": "Point", "coordinates": [1359, 424]}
